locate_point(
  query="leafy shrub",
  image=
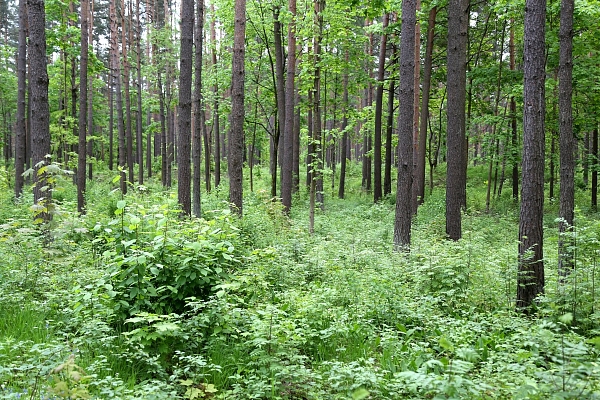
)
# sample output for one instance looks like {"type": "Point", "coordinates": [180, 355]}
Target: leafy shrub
{"type": "Point", "coordinates": [153, 268]}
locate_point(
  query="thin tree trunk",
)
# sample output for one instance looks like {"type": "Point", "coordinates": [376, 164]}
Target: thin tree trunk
{"type": "Point", "coordinates": [288, 135]}
{"type": "Point", "coordinates": [20, 129]}
{"type": "Point", "coordinates": [138, 124]}
{"type": "Point", "coordinates": [199, 125]}
{"type": "Point", "coordinates": [116, 74]}
{"type": "Point", "coordinates": [236, 135]}
{"type": "Point", "coordinates": [344, 144]}
{"type": "Point", "coordinates": [427, 70]}
{"type": "Point", "coordinates": [83, 98]}
{"type": "Point", "coordinates": [377, 189]}
{"type": "Point", "coordinates": [126, 76]}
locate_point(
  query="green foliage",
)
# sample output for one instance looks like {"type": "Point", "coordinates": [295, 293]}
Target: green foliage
{"type": "Point", "coordinates": [152, 267]}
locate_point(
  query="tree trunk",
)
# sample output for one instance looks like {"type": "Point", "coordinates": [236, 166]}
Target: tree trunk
{"type": "Point", "coordinates": [40, 114]}
{"type": "Point", "coordinates": [594, 165]}
{"type": "Point", "coordinates": [279, 95]}
{"type": "Point", "coordinates": [116, 78]}
{"type": "Point", "coordinates": [288, 135]}
{"type": "Point", "coordinates": [402, 222]}
{"type": "Point", "coordinates": [427, 70]}
{"type": "Point", "coordinates": [199, 125]}
{"type": "Point", "coordinates": [389, 129]}
{"type": "Point", "coordinates": [513, 119]}
{"type": "Point", "coordinates": [344, 144]}
{"type": "Point", "coordinates": [126, 75]}
{"type": "Point", "coordinates": [20, 130]}
{"type": "Point", "coordinates": [184, 120]}
{"type": "Point", "coordinates": [458, 21]}
{"type": "Point", "coordinates": [377, 189]}
{"type": "Point", "coordinates": [567, 139]}
{"type": "Point", "coordinates": [83, 97]}
{"type": "Point", "coordinates": [236, 135]}
{"type": "Point", "coordinates": [530, 279]}
{"type": "Point", "coordinates": [216, 132]}
{"type": "Point", "coordinates": [318, 171]}
{"type": "Point", "coordinates": [416, 82]}
{"type": "Point", "coordinates": [138, 124]}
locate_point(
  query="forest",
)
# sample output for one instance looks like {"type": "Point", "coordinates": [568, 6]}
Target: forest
{"type": "Point", "coordinates": [267, 199]}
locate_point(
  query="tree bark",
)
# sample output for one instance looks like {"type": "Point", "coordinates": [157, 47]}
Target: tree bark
{"type": "Point", "coordinates": [199, 125]}
{"type": "Point", "coordinates": [40, 114]}
{"type": "Point", "coordinates": [185, 107]}
{"type": "Point", "coordinates": [377, 189]}
{"type": "Point", "coordinates": [126, 76]}
{"type": "Point", "coordinates": [116, 78]}
{"type": "Point", "coordinates": [20, 129]}
{"type": "Point", "coordinates": [530, 279]}
{"type": "Point", "coordinates": [236, 136]}
{"type": "Point", "coordinates": [458, 21]}
{"type": "Point", "coordinates": [402, 222]}
{"type": "Point", "coordinates": [427, 70]}
{"type": "Point", "coordinates": [567, 139]}
{"type": "Point", "coordinates": [288, 133]}
{"type": "Point", "coordinates": [83, 98]}
{"type": "Point", "coordinates": [344, 144]}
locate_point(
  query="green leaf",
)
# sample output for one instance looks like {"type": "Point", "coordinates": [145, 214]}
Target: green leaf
{"type": "Point", "coordinates": [360, 393]}
{"type": "Point", "coordinates": [121, 204]}
{"type": "Point", "coordinates": [566, 319]}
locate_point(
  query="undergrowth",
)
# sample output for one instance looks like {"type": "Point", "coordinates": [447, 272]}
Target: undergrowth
{"type": "Point", "coordinates": [130, 302]}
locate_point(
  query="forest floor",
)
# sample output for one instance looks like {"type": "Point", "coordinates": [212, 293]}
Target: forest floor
{"type": "Point", "coordinates": [132, 302]}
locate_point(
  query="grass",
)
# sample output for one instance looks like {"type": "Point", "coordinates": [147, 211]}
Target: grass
{"type": "Point", "coordinates": [337, 314]}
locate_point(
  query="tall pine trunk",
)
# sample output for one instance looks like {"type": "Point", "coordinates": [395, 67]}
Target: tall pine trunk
{"type": "Point", "coordinates": [236, 136]}
{"type": "Point", "coordinates": [530, 278]}
{"type": "Point", "coordinates": [402, 221]}
{"type": "Point", "coordinates": [83, 99]}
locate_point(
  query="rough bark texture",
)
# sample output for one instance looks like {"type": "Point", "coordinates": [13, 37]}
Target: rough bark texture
{"type": "Point", "coordinates": [288, 133]}
{"type": "Point", "coordinates": [530, 280]}
{"type": "Point", "coordinates": [402, 222]}
{"type": "Point", "coordinates": [83, 99]}
{"type": "Point", "coordinates": [377, 189]}
{"type": "Point", "coordinates": [116, 77]}
{"type": "Point", "coordinates": [199, 125]}
{"type": "Point", "coordinates": [236, 136]}
{"type": "Point", "coordinates": [138, 115]}
{"type": "Point", "coordinates": [126, 86]}
{"type": "Point", "coordinates": [458, 20]}
{"type": "Point", "coordinates": [40, 114]}
{"type": "Point", "coordinates": [416, 83]}
{"type": "Point", "coordinates": [567, 139]}
{"type": "Point", "coordinates": [184, 137]}
{"type": "Point", "coordinates": [20, 134]}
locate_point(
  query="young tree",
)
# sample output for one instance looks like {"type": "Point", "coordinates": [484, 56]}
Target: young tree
{"type": "Point", "coordinates": [236, 136]}
{"type": "Point", "coordinates": [185, 107]}
{"type": "Point", "coordinates": [458, 22]}
{"type": "Point", "coordinates": [530, 279]}
{"type": "Point", "coordinates": [116, 79]}
{"type": "Point", "coordinates": [20, 134]}
{"type": "Point", "coordinates": [427, 70]}
{"type": "Point", "coordinates": [567, 140]}
{"type": "Point", "coordinates": [83, 99]}
{"type": "Point", "coordinates": [402, 222]}
{"type": "Point", "coordinates": [40, 113]}
{"type": "Point", "coordinates": [377, 189]}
